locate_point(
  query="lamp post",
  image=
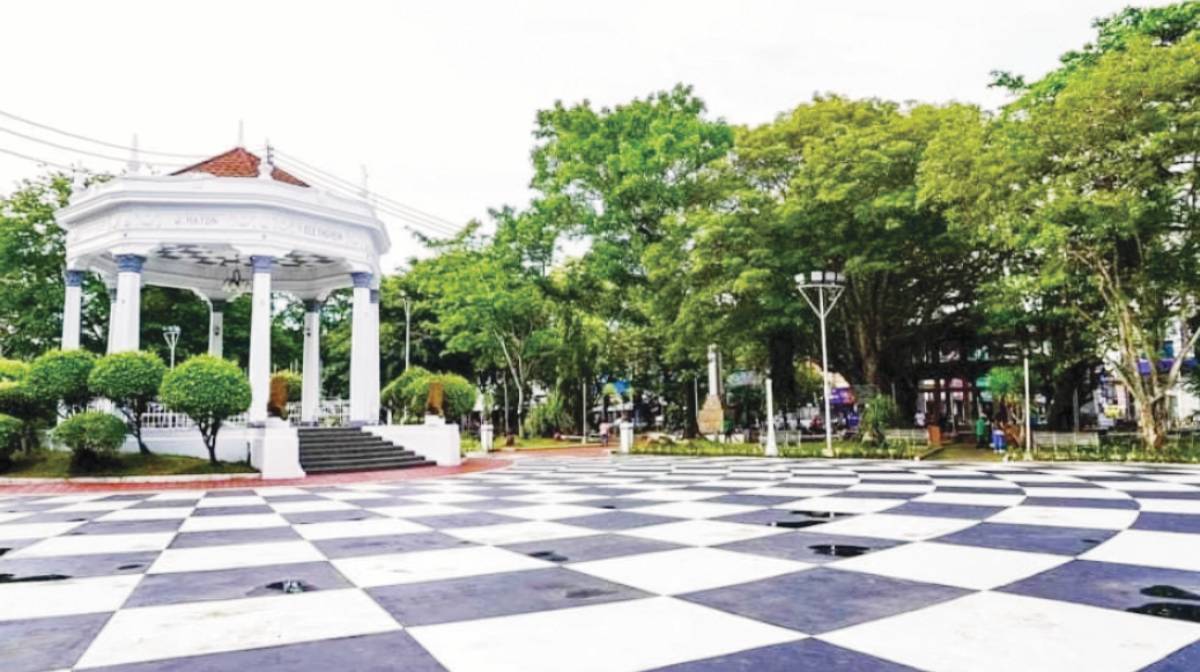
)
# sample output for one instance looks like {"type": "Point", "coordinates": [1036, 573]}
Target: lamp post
{"type": "Point", "coordinates": [407, 325]}
{"type": "Point", "coordinates": [171, 336]}
{"type": "Point", "coordinates": [828, 287]}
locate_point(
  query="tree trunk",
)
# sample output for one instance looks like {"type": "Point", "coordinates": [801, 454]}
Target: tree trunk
{"type": "Point", "coordinates": [690, 428]}
{"type": "Point", "coordinates": [1152, 425]}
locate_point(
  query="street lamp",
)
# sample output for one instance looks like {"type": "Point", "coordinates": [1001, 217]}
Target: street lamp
{"type": "Point", "coordinates": [407, 325]}
{"type": "Point", "coordinates": [822, 283]}
{"type": "Point", "coordinates": [171, 336]}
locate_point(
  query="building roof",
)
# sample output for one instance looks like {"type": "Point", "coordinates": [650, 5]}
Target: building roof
{"type": "Point", "coordinates": [238, 162]}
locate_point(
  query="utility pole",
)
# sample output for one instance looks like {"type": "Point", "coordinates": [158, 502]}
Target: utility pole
{"type": "Point", "coordinates": [822, 282]}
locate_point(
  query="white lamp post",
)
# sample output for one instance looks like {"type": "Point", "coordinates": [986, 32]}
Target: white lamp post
{"type": "Point", "coordinates": [171, 336]}
{"type": "Point", "coordinates": [407, 325]}
{"type": "Point", "coordinates": [823, 283]}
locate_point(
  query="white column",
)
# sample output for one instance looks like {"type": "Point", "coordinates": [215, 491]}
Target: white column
{"type": "Point", "coordinates": [127, 318]}
{"type": "Point", "coordinates": [260, 339]}
{"type": "Point", "coordinates": [310, 398]}
{"type": "Point", "coordinates": [373, 374]}
{"type": "Point", "coordinates": [72, 305]}
{"type": "Point", "coordinates": [216, 328]}
{"type": "Point", "coordinates": [360, 339]}
{"type": "Point", "coordinates": [714, 375]}
{"type": "Point", "coordinates": [112, 320]}
{"type": "Point", "coordinates": [772, 448]}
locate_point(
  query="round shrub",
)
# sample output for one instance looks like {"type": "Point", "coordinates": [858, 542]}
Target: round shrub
{"type": "Point", "coordinates": [409, 391]}
{"type": "Point", "coordinates": [62, 376]}
{"type": "Point", "coordinates": [131, 380]}
{"type": "Point", "coordinates": [395, 396]}
{"type": "Point", "coordinates": [93, 437]}
{"type": "Point", "coordinates": [11, 431]}
{"type": "Point", "coordinates": [208, 390]}
{"type": "Point", "coordinates": [12, 369]}
{"type": "Point", "coordinates": [19, 401]}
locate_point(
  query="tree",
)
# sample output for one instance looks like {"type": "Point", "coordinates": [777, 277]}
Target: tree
{"type": "Point", "coordinates": [1093, 186]}
{"type": "Point", "coordinates": [208, 390]}
{"type": "Point", "coordinates": [131, 381]}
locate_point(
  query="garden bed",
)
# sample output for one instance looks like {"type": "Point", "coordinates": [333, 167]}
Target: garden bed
{"type": "Point", "coordinates": [57, 464]}
{"type": "Point", "coordinates": [816, 449]}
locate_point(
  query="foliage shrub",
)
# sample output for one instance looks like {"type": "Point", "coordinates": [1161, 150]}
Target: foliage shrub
{"type": "Point", "coordinates": [18, 400]}
{"type": "Point", "coordinates": [62, 376]}
{"type": "Point", "coordinates": [94, 438]}
{"type": "Point", "coordinates": [295, 383]}
{"type": "Point", "coordinates": [408, 393]}
{"type": "Point", "coordinates": [879, 415]}
{"type": "Point", "coordinates": [548, 417]}
{"type": "Point", "coordinates": [11, 433]}
{"type": "Point", "coordinates": [131, 381]}
{"type": "Point", "coordinates": [209, 390]}
{"type": "Point", "coordinates": [12, 369]}
{"type": "Point", "coordinates": [277, 399]}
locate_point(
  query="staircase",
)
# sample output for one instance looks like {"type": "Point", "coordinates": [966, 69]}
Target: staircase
{"type": "Point", "coordinates": [328, 449]}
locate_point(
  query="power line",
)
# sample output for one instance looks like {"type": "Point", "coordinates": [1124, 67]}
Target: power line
{"type": "Point", "coordinates": [42, 161]}
{"type": "Point", "coordinates": [412, 223]}
{"type": "Point", "coordinates": [356, 188]}
{"type": "Point", "coordinates": [94, 140]}
{"type": "Point", "coordinates": [84, 151]}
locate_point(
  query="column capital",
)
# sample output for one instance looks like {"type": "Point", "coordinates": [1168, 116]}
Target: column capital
{"type": "Point", "coordinates": [374, 296]}
{"type": "Point", "coordinates": [74, 278]}
{"type": "Point", "coordinates": [130, 263]}
{"type": "Point", "coordinates": [361, 279]}
{"type": "Point", "coordinates": [218, 305]}
{"type": "Point", "coordinates": [313, 305]}
{"type": "Point", "coordinates": [261, 263]}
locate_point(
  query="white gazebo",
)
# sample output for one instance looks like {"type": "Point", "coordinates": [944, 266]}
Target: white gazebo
{"type": "Point", "coordinates": [222, 227]}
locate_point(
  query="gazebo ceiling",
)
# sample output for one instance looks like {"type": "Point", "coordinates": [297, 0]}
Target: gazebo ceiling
{"type": "Point", "coordinates": [193, 228]}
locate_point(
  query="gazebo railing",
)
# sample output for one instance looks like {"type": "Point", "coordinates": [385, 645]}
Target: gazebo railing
{"type": "Point", "coordinates": [329, 412]}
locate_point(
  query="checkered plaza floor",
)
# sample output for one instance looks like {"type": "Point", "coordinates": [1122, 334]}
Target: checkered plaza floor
{"type": "Point", "coordinates": [571, 564]}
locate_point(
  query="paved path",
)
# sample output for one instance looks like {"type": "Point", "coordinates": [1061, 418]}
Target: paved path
{"type": "Point", "coordinates": [576, 564]}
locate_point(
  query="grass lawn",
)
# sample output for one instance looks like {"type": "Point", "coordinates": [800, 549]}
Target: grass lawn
{"type": "Point", "coordinates": [57, 464]}
{"type": "Point", "coordinates": [470, 443]}
{"type": "Point", "coordinates": [959, 452]}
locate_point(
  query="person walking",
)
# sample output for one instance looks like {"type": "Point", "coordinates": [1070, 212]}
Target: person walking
{"type": "Point", "coordinates": [981, 432]}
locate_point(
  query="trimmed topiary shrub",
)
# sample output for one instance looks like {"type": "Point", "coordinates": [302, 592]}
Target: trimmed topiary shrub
{"type": "Point", "coordinates": [209, 390]}
{"type": "Point", "coordinates": [277, 400]}
{"type": "Point", "coordinates": [131, 381]}
{"type": "Point", "coordinates": [19, 401]}
{"type": "Point", "coordinates": [408, 392]}
{"type": "Point", "coordinates": [11, 433]}
{"type": "Point", "coordinates": [12, 369]}
{"type": "Point", "coordinates": [295, 383]}
{"type": "Point", "coordinates": [62, 376]}
{"type": "Point", "coordinates": [93, 437]}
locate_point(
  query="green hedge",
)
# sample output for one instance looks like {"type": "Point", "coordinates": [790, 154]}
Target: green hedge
{"type": "Point", "coordinates": [11, 431]}
{"type": "Point", "coordinates": [12, 369]}
{"type": "Point", "coordinates": [410, 390]}
{"type": "Point", "coordinates": [93, 437]}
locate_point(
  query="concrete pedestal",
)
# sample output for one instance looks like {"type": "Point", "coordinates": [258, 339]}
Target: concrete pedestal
{"type": "Point", "coordinates": [626, 445]}
{"type": "Point", "coordinates": [275, 450]}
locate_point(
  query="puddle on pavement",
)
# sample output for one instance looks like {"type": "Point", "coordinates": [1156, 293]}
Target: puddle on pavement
{"type": "Point", "coordinates": [123, 568]}
{"type": "Point", "coordinates": [809, 519]}
{"type": "Point", "coordinates": [550, 556]}
{"type": "Point", "coordinates": [1090, 541]}
{"type": "Point", "coordinates": [588, 592]}
{"type": "Point", "coordinates": [1175, 610]}
{"type": "Point", "coordinates": [13, 578]}
{"type": "Point", "coordinates": [608, 506]}
{"type": "Point", "coordinates": [290, 586]}
{"type": "Point", "coordinates": [4, 550]}
{"type": "Point", "coordinates": [1170, 593]}
{"type": "Point", "coordinates": [839, 550]}
{"type": "Point", "coordinates": [795, 524]}
{"type": "Point", "coordinates": [821, 515]}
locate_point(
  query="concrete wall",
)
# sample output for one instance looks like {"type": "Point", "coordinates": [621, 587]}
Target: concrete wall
{"type": "Point", "coordinates": [233, 443]}
{"type": "Point", "coordinates": [439, 443]}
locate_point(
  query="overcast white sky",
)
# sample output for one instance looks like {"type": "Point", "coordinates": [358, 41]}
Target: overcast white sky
{"type": "Point", "coordinates": [438, 99]}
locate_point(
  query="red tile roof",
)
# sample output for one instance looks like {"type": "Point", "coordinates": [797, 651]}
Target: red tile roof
{"type": "Point", "coordinates": [238, 162]}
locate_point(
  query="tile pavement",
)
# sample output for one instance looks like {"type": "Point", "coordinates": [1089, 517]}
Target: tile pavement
{"type": "Point", "coordinates": [617, 564]}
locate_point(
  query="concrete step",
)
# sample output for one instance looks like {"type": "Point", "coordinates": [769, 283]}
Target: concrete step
{"type": "Point", "coordinates": [364, 464]}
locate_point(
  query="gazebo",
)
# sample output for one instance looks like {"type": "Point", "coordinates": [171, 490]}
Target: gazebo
{"type": "Point", "coordinates": [232, 224]}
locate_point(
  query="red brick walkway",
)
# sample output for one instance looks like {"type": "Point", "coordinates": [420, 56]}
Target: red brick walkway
{"type": "Point", "coordinates": [60, 487]}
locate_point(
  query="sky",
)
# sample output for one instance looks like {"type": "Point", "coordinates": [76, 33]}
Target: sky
{"type": "Point", "coordinates": [437, 99]}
